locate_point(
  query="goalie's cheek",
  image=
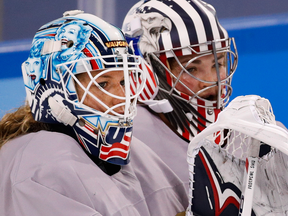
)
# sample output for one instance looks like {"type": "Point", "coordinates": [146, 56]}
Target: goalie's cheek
{"type": "Point", "coordinates": [190, 86]}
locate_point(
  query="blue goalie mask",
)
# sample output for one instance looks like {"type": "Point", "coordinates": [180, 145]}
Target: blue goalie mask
{"type": "Point", "coordinates": [81, 73]}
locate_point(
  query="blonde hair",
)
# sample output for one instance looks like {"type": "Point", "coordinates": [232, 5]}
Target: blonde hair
{"type": "Point", "coordinates": [18, 123]}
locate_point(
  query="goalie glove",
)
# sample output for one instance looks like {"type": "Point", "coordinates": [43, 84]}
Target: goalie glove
{"type": "Point", "coordinates": [216, 171]}
{"type": "Point", "coordinates": [215, 181]}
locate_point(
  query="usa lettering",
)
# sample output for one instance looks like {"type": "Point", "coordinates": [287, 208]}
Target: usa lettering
{"type": "Point", "coordinates": [116, 134]}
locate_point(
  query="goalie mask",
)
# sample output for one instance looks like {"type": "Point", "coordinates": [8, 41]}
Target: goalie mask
{"type": "Point", "coordinates": [174, 36]}
{"type": "Point", "coordinates": [80, 73]}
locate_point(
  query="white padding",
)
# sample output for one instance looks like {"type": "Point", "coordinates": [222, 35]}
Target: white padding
{"type": "Point", "coordinates": [51, 46]}
{"type": "Point", "coordinates": [61, 112]}
{"type": "Point", "coordinates": [159, 106]}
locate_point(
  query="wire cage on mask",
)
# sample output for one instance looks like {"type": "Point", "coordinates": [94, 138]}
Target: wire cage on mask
{"type": "Point", "coordinates": [163, 70]}
{"type": "Point", "coordinates": [134, 82]}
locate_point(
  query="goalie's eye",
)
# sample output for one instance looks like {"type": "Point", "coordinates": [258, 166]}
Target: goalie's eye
{"type": "Point", "coordinates": [122, 83]}
{"type": "Point", "coordinates": [191, 69]}
{"type": "Point", "coordinates": [102, 84]}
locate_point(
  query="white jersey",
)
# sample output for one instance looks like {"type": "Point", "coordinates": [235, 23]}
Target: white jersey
{"type": "Point", "coordinates": [47, 173]}
{"type": "Point", "coordinates": [151, 130]}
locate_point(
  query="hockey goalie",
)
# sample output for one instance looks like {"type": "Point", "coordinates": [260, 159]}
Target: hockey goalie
{"type": "Point", "coordinates": [239, 164]}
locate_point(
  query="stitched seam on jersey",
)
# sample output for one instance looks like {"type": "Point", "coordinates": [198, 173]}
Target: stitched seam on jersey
{"type": "Point", "coordinates": [128, 206]}
{"type": "Point", "coordinates": [85, 189]}
{"type": "Point", "coordinates": [133, 204]}
{"type": "Point", "coordinates": [161, 189]}
{"type": "Point", "coordinates": [167, 188]}
{"type": "Point", "coordinates": [97, 214]}
{"type": "Point", "coordinates": [128, 173]}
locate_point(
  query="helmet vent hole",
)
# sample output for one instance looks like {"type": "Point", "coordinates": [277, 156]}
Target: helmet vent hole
{"type": "Point", "coordinates": [70, 43]}
{"type": "Point", "coordinates": [42, 81]}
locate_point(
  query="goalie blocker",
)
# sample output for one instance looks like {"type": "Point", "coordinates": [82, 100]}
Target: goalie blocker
{"type": "Point", "coordinates": [246, 129]}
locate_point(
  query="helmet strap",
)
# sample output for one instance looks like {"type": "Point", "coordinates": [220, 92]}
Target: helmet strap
{"type": "Point", "coordinates": [61, 112]}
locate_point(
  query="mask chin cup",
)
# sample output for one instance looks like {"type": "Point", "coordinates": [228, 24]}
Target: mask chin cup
{"type": "Point", "coordinates": [60, 111]}
{"type": "Point", "coordinates": [159, 106]}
